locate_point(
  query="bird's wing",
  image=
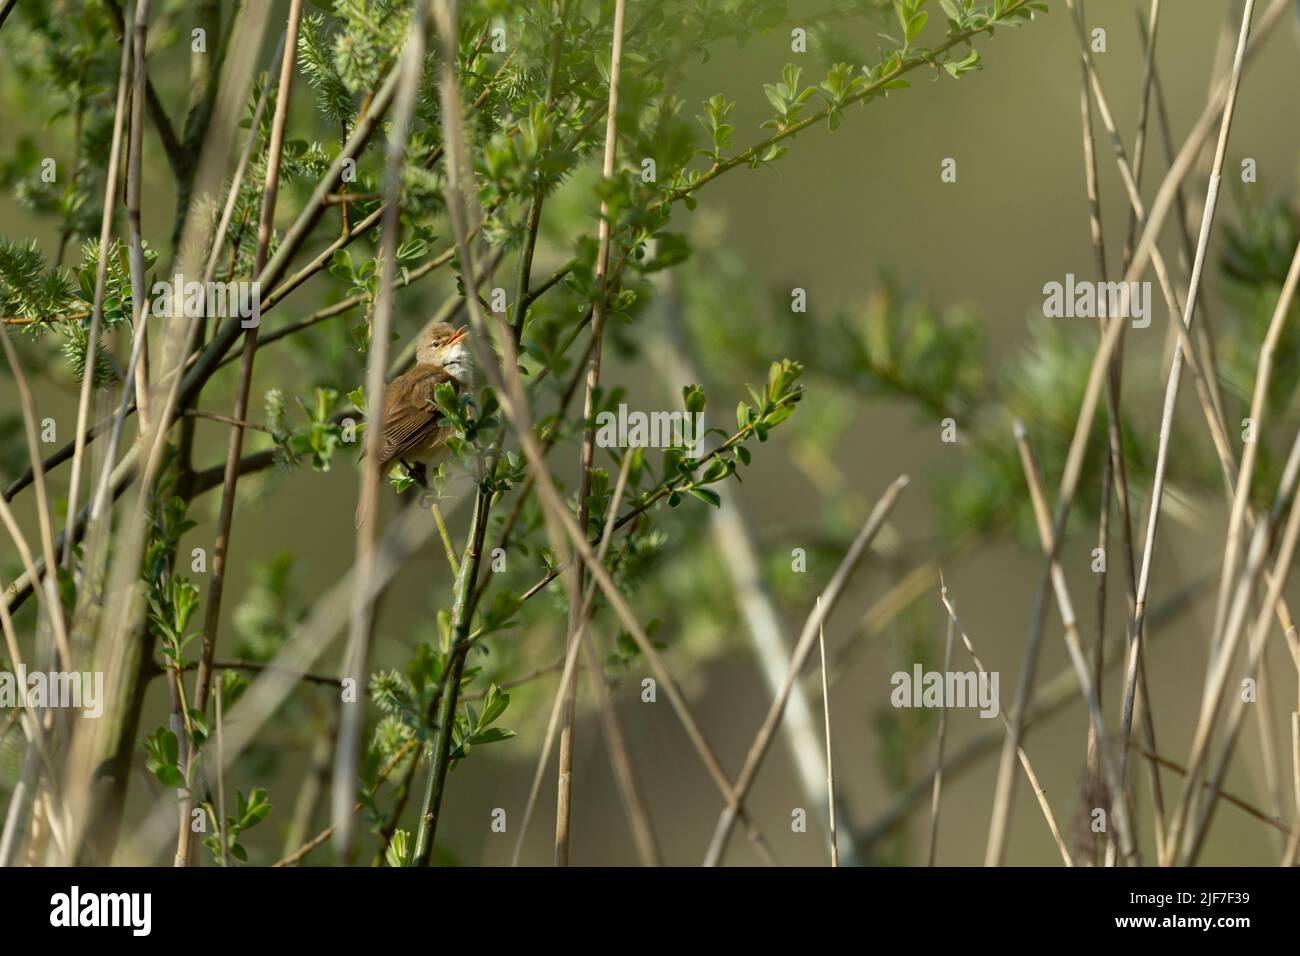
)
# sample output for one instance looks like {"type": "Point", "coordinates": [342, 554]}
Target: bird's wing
{"type": "Point", "coordinates": [410, 415]}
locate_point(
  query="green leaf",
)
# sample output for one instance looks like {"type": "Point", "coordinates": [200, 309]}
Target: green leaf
{"type": "Point", "coordinates": [916, 24]}
{"type": "Point", "coordinates": [774, 97]}
{"type": "Point", "coordinates": [694, 397]}
{"type": "Point", "coordinates": [491, 735]}
{"type": "Point", "coordinates": [709, 495]}
{"type": "Point", "coordinates": [397, 852]}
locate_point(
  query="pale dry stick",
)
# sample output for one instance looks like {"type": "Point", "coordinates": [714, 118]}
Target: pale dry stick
{"type": "Point", "coordinates": [1171, 389]}
{"type": "Point", "coordinates": [1191, 148]}
{"type": "Point", "coordinates": [348, 743]}
{"type": "Point", "coordinates": [97, 306]}
{"type": "Point", "coordinates": [136, 383]}
{"type": "Point", "coordinates": [1295, 760]}
{"type": "Point", "coordinates": [803, 648]}
{"type": "Point", "coordinates": [1292, 847]}
{"type": "Point", "coordinates": [1114, 473]}
{"type": "Point", "coordinates": [570, 665]}
{"type": "Point", "coordinates": [21, 588]}
{"type": "Point", "coordinates": [225, 420]}
{"type": "Point", "coordinates": [1148, 32]}
{"type": "Point", "coordinates": [135, 247]}
{"type": "Point", "coordinates": [1204, 338]}
{"type": "Point", "coordinates": [1220, 64]}
{"type": "Point", "coordinates": [235, 445]}
{"type": "Point", "coordinates": [1270, 753]}
{"type": "Point", "coordinates": [587, 452]}
{"type": "Point", "coordinates": [830, 764]}
{"type": "Point", "coordinates": [1188, 350]}
{"type": "Point", "coordinates": [222, 843]}
{"type": "Point", "coordinates": [1004, 795]}
{"type": "Point", "coordinates": [1246, 473]}
{"type": "Point", "coordinates": [1293, 843]}
{"type": "Point", "coordinates": [1246, 807]}
{"type": "Point", "coordinates": [1204, 330]}
{"type": "Point", "coordinates": [1074, 644]}
{"type": "Point", "coordinates": [1255, 652]}
{"type": "Point", "coordinates": [634, 803]}
{"type": "Point", "coordinates": [52, 603]}
{"type": "Point", "coordinates": [1206, 387]}
{"type": "Point", "coordinates": [1217, 678]}
{"type": "Point", "coordinates": [943, 729]}
{"type": "Point", "coordinates": [37, 756]}
{"type": "Point", "coordinates": [1039, 791]}
{"type": "Point", "coordinates": [1118, 466]}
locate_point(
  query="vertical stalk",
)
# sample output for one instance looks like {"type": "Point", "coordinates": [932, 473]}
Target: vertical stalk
{"type": "Point", "coordinates": [431, 805]}
{"type": "Point", "coordinates": [588, 452]}
{"type": "Point", "coordinates": [212, 613]}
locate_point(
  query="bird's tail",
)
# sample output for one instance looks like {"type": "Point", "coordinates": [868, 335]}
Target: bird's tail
{"type": "Point", "coordinates": [361, 500]}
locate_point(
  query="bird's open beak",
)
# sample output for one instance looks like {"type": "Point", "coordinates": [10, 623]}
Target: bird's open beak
{"type": "Point", "coordinates": [459, 334]}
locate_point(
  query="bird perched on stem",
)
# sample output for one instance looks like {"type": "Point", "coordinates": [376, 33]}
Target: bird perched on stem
{"type": "Point", "coordinates": [415, 430]}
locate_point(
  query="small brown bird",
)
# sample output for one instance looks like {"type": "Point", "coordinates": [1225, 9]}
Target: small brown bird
{"type": "Point", "coordinates": [414, 428]}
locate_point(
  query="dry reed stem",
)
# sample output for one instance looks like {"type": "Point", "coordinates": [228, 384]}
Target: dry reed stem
{"type": "Point", "coordinates": [1039, 791]}
{"type": "Point", "coordinates": [587, 452]}
{"type": "Point", "coordinates": [348, 744]}
{"type": "Point", "coordinates": [803, 647]}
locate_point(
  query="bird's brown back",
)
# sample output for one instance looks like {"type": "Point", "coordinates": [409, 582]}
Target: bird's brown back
{"type": "Point", "coordinates": [413, 426]}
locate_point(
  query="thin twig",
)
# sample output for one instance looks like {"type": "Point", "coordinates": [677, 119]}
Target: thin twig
{"type": "Point", "coordinates": [1039, 792]}
{"type": "Point", "coordinates": [234, 448]}
{"type": "Point", "coordinates": [830, 766]}
{"type": "Point", "coordinates": [347, 749]}
{"type": "Point", "coordinates": [587, 452]}
{"type": "Point", "coordinates": [1042, 514]}
{"type": "Point", "coordinates": [97, 307]}
{"type": "Point", "coordinates": [943, 728]}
